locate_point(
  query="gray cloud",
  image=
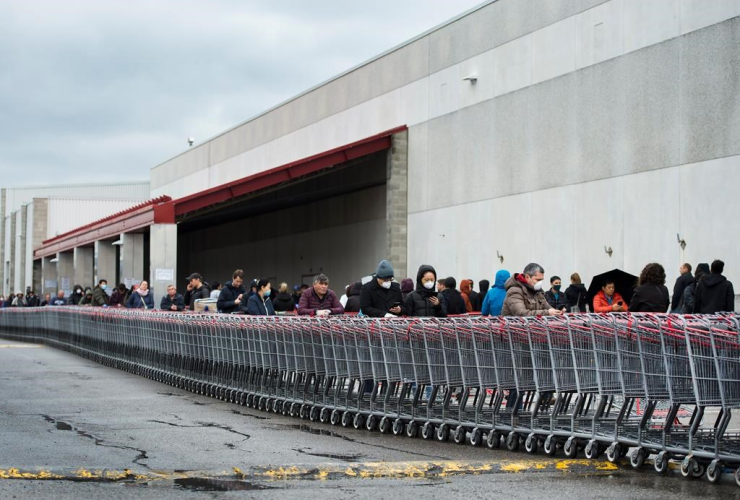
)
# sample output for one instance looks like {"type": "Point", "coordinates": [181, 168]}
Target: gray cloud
{"type": "Point", "coordinates": [102, 91]}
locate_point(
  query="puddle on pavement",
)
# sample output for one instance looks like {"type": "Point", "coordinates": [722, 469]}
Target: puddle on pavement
{"type": "Point", "coordinates": [202, 484]}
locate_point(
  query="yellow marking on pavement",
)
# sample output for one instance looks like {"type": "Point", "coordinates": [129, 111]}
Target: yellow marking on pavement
{"type": "Point", "coordinates": [20, 346]}
{"type": "Point", "coordinates": [323, 472]}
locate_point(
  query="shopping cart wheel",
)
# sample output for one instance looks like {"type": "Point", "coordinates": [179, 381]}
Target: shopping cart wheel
{"type": "Point", "coordinates": [714, 471]}
{"type": "Point", "coordinates": [691, 468]}
{"type": "Point", "coordinates": [570, 448]}
{"type": "Point", "coordinates": [661, 463]}
{"type": "Point", "coordinates": [493, 440]}
{"type": "Point", "coordinates": [346, 419]}
{"type": "Point", "coordinates": [551, 446]}
{"type": "Point", "coordinates": [305, 412]}
{"type": "Point", "coordinates": [398, 427]}
{"type": "Point", "coordinates": [476, 437]}
{"type": "Point", "coordinates": [412, 429]}
{"type": "Point", "coordinates": [242, 398]}
{"type": "Point", "coordinates": [637, 458]}
{"type": "Point", "coordinates": [371, 423]}
{"type": "Point", "coordinates": [512, 441]}
{"type": "Point", "coordinates": [613, 452]}
{"type": "Point", "coordinates": [314, 416]}
{"type": "Point", "coordinates": [530, 445]}
{"type": "Point", "coordinates": [359, 421]}
{"type": "Point", "coordinates": [592, 450]}
{"type": "Point", "coordinates": [385, 425]}
{"type": "Point", "coordinates": [443, 432]}
{"type": "Point", "coordinates": [737, 476]}
{"type": "Point", "coordinates": [427, 430]}
{"type": "Point", "coordinates": [459, 435]}
{"type": "Point", "coordinates": [324, 415]}
{"type": "Point", "coordinates": [335, 417]}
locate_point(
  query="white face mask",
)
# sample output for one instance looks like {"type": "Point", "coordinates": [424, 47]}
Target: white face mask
{"type": "Point", "coordinates": [429, 285]}
{"type": "Point", "coordinates": [538, 286]}
{"type": "Point", "coordinates": [386, 285]}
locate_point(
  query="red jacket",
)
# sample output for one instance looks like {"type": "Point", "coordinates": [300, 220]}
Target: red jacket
{"type": "Point", "coordinates": [602, 306]}
{"type": "Point", "coordinates": [310, 302]}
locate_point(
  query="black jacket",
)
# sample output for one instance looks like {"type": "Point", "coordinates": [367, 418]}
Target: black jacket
{"type": "Point", "coordinates": [417, 302]}
{"type": "Point", "coordinates": [284, 302]}
{"type": "Point", "coordinates": [257, 307]}
{"type": "Point", "coordinates": [713, 294]}
{"type": "Point", "coordinates": [229, 293]}
{"type": "Point", "coordinates": [557, 303]}
{"type": "Point", "coordinates": [353, 298]}
{"type": "Point", "coordinates": [166, 302]}
{"type": "Point", "coordinates": [650, 298]}
{"type": "Point", "coordinates": [681, 283]}
{"type": "Point", "coordinates": [376, 301]}
{"type": "Point", "coordinates": [577, 295]}
{"type": "Point", "coordinates": [484, 286]}
{"type": "Point", "coordinates": [204, 292]}
{"type": "Point", "coordinates": [454, 301]}
{"type": "Point", "coordinates": [475, 301]}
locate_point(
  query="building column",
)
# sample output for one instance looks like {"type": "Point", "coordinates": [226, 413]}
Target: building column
{"type": "Point", "coordinates": [132, 258]}
{"type": "Point", "coordinates": [105, 263]}
{"type": "Point", "coordinates": [162, 259]}
{"type": "Point", "coordinates": [65, 272]}
{"type": "Point", "coordinates": [49, 283]}
{"type": "Point", "coordinates": [84, 267]}
{"type": "Point", "coordinates": [397, 204]}
{"type": "Point", "coordinates": [22, 279]}
{"type": "Point", "coordinates": [10, 278]}
{"type": "Point", "coordinates": [3, 277]}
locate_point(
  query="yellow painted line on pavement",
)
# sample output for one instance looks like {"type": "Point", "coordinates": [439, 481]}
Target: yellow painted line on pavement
{"type": "Point", "coordinates": [368, 470]}
{"type": "Point", "coordinates": [20, 346]}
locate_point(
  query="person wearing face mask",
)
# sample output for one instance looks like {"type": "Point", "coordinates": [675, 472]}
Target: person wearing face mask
{"type": "Point", "coordinates": [424, 301]}
{"type": "Point", "coordinates": [76, 296]}
{"type": "Point", "coordinates": [554, 296]}
{"type": "Point", "coordinates": [260, 304]}
{"type": "Point", "coordinates": [100, 296]}
{"type": "Point", "coordinates": [381, 296]}
{"type": "Point", "coordinates": [524, 295]}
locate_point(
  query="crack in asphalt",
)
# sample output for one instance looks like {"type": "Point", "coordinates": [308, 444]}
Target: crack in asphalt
{"type": "Point", "coordinates": [203, 425]}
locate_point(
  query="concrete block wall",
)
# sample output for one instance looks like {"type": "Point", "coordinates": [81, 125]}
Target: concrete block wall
{"type": "Point", "coordinates": [397, 204]}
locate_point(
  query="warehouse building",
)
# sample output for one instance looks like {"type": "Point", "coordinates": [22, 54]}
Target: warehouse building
{"type": "Point", "coordinates": [585, 135]}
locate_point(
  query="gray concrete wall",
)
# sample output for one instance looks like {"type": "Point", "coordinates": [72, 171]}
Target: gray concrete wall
{"type": "Point", "coordinates": [162, 259]}
{"type": "Point", "coordinates": [344, 237]}
{"type": "Point", "coordinates": [397, 204]}
{"type": "Point", "coordinates": [3, 287]}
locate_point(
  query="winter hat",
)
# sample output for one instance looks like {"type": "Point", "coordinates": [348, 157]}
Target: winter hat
{"type": "Point", "coordinates": [407, 285]}
{"type": "Point", "coordinates": [385, 270]}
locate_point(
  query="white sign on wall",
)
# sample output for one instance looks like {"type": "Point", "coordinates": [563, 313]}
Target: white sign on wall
{"type": "Point", "coordinates": [164, 274]}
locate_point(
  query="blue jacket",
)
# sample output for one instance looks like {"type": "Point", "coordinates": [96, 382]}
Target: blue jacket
{"type": "Point", "coordinates": [256, 307]}
{"type": "Point", "coordinates": [494, 301]}
{"type": "Point", "coordinates": [137, 301]}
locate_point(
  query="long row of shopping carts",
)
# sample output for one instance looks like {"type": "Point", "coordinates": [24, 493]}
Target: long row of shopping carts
{"type": "Point", "coordinates": [618, 384]}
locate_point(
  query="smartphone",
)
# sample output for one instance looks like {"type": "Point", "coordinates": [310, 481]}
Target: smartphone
{"type": "Point", "coordinates": [396, 304]}
{"type": "Point", "coordinates": [620, 303]}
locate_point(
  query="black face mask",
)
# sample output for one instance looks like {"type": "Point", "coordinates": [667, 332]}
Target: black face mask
{"type": "Point", "coordinates": [557, 287]}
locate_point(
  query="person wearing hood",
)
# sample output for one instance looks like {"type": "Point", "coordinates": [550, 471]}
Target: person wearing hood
{"type": "Point", "coordinates": [353, 297]}
{"type": "Point", "coordinates": [455, 302]}
{"type": "Point", "coordinates": [687, 301]}
{"type": "Point", "coordinates": [197, 289]}
{"type": "Point", "coordinates": [381, 296]}
{"type": "Point", "coordinates": [260, 304]}
{"type": "Point", "coordinates": [494, 300]}
{"type": "Point", "coordinates": [424, 301]}
{"type": "Point", "coordinates": [471, 294]}
{"type": "Point", "coordinates": [283, 300]}
{"type": "Point", "coordinates": [484, 286]}
{"type": "Point", "coordinates": [232, 293]}
{"type": "Point", "coordinates": [75, 296]}
{"type": "Point", "coordinates": [524, 296]}
{"type": "Point", "coordinates": [141, 298]}
{"type": "Point", "coordinates": [87, 298]}
{"type": "Point", "coordinates": [576, 294]}
{"type": "Point", "coordinates": [407, 286]}
{"type": "Point", "coordinates": [714, 293]}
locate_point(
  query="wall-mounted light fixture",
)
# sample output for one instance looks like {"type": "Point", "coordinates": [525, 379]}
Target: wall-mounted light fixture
{"type": "Point", "coordinates": [118, 242]}
{"type": "Point", "coordinates": [681, 241]}
{"type": "Point", "coordinates": [608, 250]}
{"type": "Point", "coordinates": [473, 79]}
{"type": "Point", "coordinates": [500, 257]}
{"type": "Point", "coordinates": [191, 140]}
{"type": "Point", "coordinates": [54, 260]}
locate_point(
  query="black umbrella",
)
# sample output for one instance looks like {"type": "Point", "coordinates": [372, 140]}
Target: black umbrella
{"type": "Point", "coordinates": [624, 285]}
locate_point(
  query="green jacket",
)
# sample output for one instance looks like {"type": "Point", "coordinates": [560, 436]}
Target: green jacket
{"type": "Point", "coordinates": [99, 297]}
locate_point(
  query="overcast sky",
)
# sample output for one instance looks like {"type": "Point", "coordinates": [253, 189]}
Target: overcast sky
{"type": "Point", "coordinates": [96, 91]}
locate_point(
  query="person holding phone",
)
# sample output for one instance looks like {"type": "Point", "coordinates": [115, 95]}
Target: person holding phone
{"type": "Point", "coordinates": [381, 296]}
{"type": "Point", "coordinates": [608, 299]}
{"type": "Point", "coordinates": [424, 300]}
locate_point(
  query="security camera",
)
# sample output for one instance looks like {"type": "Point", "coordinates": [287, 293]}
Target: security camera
{"type": "Point", "coordinates": [191, 140]}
